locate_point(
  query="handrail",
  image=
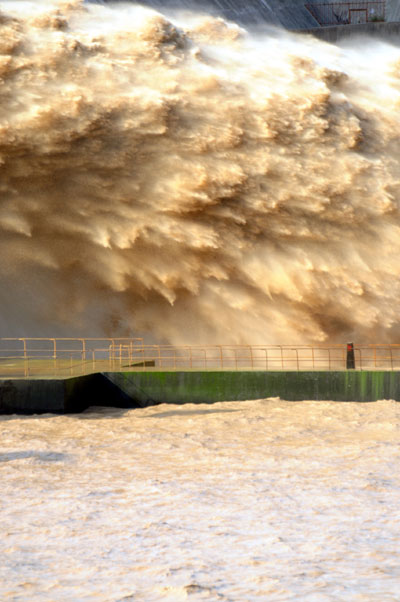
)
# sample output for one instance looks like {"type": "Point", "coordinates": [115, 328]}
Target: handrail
{"type": "Point", "coordinates": [33, 357]}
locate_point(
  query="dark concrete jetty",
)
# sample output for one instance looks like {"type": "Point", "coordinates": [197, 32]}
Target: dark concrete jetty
{"type": "Point", "coordinates": [140, 389]}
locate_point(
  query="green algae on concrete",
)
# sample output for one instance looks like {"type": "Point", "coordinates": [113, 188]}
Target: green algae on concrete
{"type": "Point", "coordinates": [208, 387]}
{"type": "Point", "coordinates": [135, 388]}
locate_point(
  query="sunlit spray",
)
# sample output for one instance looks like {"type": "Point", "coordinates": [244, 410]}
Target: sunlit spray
{"type": "Point", "coordinates": [188, 180]}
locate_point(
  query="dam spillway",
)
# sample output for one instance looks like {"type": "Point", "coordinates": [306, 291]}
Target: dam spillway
{"type": "Point", "coordinates": [296, 15]}
{"type": "Point", "coordinates": [274, 212]}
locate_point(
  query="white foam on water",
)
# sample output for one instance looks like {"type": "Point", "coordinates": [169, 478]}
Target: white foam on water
{"type": "Point", "coordinates": [257, 500]}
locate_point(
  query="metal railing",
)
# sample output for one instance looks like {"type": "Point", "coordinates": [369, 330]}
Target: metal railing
{"type": "Point", "coordinates": [63, 357]}
{"type": "Point", "coordinates": [26, 357]}
{"type": "Point", "coordinates": [347, 13]}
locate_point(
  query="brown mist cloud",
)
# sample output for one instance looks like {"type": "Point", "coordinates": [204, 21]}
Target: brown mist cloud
{"type": "Point", "coordinates": [193, 183]}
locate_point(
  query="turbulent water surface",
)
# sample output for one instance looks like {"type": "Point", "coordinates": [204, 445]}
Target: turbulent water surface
{"type": "Point", "coordinates": [181, 177]}
{"type": "Point", "coordinates": [238, 501]}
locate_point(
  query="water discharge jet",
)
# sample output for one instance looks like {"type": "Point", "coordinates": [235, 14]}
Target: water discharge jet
{"type": "Point", "coordinates": [187, 179]}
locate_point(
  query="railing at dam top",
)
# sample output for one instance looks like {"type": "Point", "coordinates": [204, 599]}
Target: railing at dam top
{"type": "Point", "coordinates": [64, 357]}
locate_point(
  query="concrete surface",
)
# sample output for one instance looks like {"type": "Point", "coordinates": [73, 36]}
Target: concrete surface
{"type": "Point", "coordinates": [139, 389]}
{"type": "Point", "coordinates": [389, 32]}
{"type": "Point", "coordinates": [289, 14]}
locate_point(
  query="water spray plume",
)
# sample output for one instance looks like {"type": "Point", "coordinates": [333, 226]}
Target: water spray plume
{"type": "Point", "coordinates": [187, 180]}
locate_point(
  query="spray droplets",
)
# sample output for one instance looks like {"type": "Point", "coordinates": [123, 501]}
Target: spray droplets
{"type": "Point", "coordinates": [190, 182]}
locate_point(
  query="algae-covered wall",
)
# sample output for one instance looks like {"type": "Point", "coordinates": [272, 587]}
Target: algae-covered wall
{"type": "Point", "coordinates": [132, 389]}
{"type": "Point", "coordinates": [207, 387]}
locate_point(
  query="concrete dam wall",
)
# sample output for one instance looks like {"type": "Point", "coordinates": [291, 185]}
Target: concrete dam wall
{"type": "Point", "coordinates": [288, 14]}
{"type": "Point", "coordinates": [381, 31]}
{"type": "Point", "coordinates": [141, 389]}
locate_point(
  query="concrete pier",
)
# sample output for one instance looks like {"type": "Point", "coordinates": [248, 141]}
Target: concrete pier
{"type": "Point", "coordinates": [140, 389]}
{"type": "Point", "coordinates": [60, 395]}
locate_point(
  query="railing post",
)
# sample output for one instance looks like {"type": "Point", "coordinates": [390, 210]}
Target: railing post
{"type": "Point", "coordinates": [251, 356]}
{"type": "Point", "coordinates": [112, 353]}
{"type": "Point", "coordinates": [350, 359]}
{"type": "Point", "coordinates": [297, 359]}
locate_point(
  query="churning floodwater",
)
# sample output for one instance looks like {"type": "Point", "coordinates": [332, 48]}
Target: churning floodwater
{"type": "Point", "coordinates": [236, 501]}
{"type": "Point", "coordinates": [184, 179]}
